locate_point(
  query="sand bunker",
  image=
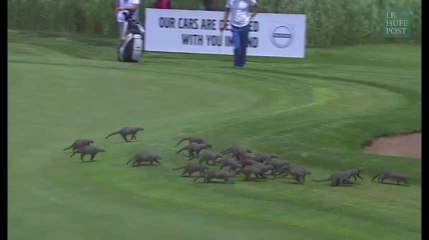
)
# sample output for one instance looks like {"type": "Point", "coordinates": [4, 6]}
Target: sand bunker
{"type": "Point", "coordinates": [404, 145]}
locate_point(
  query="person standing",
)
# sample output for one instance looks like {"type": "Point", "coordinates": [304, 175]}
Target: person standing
{"type": "Point", "coordinates": [126, 6]}
{"type": "Point", "coordinates": [242, 11]}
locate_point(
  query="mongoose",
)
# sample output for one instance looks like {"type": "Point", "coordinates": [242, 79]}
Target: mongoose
{"type": "Point", "coordinates": [256, 169]}
{"type": "Point", "coordinates": [395, 176]}
{"type": "Point", "coordinates": [355, 172]}
{"type": "Point", "coordinates": [139, 158]}
{"type": "Point", "coordinates": [338, 178]}
{"type": "Point", "coordinates": [238, 152]}
{"type": "Point", "coordinates": [231, 163]}
{"type": "Point", "coordinates": [89, 149]}
{"type": "Point", "coordinates": [191, 139]}
{"type": "Point", "coordinates": [191, 168]}
{"type": "Point", "coordinates": [194, 148]}
{"type": "Point", "coordinates": [262, 157]}
{"type": "Point", "coordinates": [247, 161]}
{"type": "Point", "coordinates": [296, 172]}
{"type": "Point", "coordinates": [124, 132]}
{"type": "Point", "coordinates": [217, 174]}
{"type": "Point", "coordinates": [276, 163]}
{"type": "Point", "coordinates": [207, 157]}
{"type": "Point", "coordinates": [79, 143]}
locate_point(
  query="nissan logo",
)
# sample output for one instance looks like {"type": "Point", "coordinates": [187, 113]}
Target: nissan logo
{"type": "Point", "coordinates": [282, 36]}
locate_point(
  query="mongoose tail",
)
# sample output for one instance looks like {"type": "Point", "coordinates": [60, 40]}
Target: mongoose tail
{"type": "Point", "coordinates": [180, 150]}
{"type": "Point", "coordinates": [183, 139]}
{"type": "Point", "coordinates": [376, 176]}
{"type": "Point", "coordinates": [112, 134]}
{"type": "Point", "coordinates": [130, 160]}
{"type": "Point", "coordinates": [68, 147]}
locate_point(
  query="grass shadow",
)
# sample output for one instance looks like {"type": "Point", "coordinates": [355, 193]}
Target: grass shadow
{"type": "Point", "coordinates": [295, 183]}
{"type": "Point", "coordinates": [214, 182]}
{"type": "Point", "coordinates": [344, 185]}
{"type": "Point", "coordinates": [136, 141]}
{"type": "Point", "coordinates": [93, 161]}
{"type": "Point", "coordinates": [254, 180]}
{"type": "Point", "coordinates": [394, 184]}
{"type": "Point", "coordinates": [146, 165]}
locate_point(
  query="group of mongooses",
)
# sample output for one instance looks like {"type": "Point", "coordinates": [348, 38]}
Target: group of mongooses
{"type": "Point", "coordinates": [242, 161]}
{"type": "Point", "coordinates": [256, 164]}
{"type": "Point", "coordinates": [85, 147]}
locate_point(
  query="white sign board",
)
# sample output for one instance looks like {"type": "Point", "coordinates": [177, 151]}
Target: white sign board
{"type": "Point", "coordinates": [172, 30]}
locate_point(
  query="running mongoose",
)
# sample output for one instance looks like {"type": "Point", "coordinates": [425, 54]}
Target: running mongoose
{"type": "Point", "coordinates": [89, 149]}
{"type": "Point", "coordinates": [191, 168]}
{"type": "Point", "coordinates": [124, 132]}
{"type": "Point", "coordinates": [79, 143]}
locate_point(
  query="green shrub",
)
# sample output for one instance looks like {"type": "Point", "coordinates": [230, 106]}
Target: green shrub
{"type": "Point", "coordinates": [330, 22]}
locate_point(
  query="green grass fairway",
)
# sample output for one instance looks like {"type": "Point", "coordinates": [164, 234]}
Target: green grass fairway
{"type": "Point", "coordinates": [314, 111]}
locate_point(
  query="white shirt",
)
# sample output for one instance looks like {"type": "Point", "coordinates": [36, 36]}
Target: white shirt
{"type": "Point", "coordinates": [240, 11]}
{"type": "Point", "coordinates": [127, 3]}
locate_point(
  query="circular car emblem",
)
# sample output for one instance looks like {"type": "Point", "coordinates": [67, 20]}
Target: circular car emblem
{"type": "Point", "coordinates": [282, 37]}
